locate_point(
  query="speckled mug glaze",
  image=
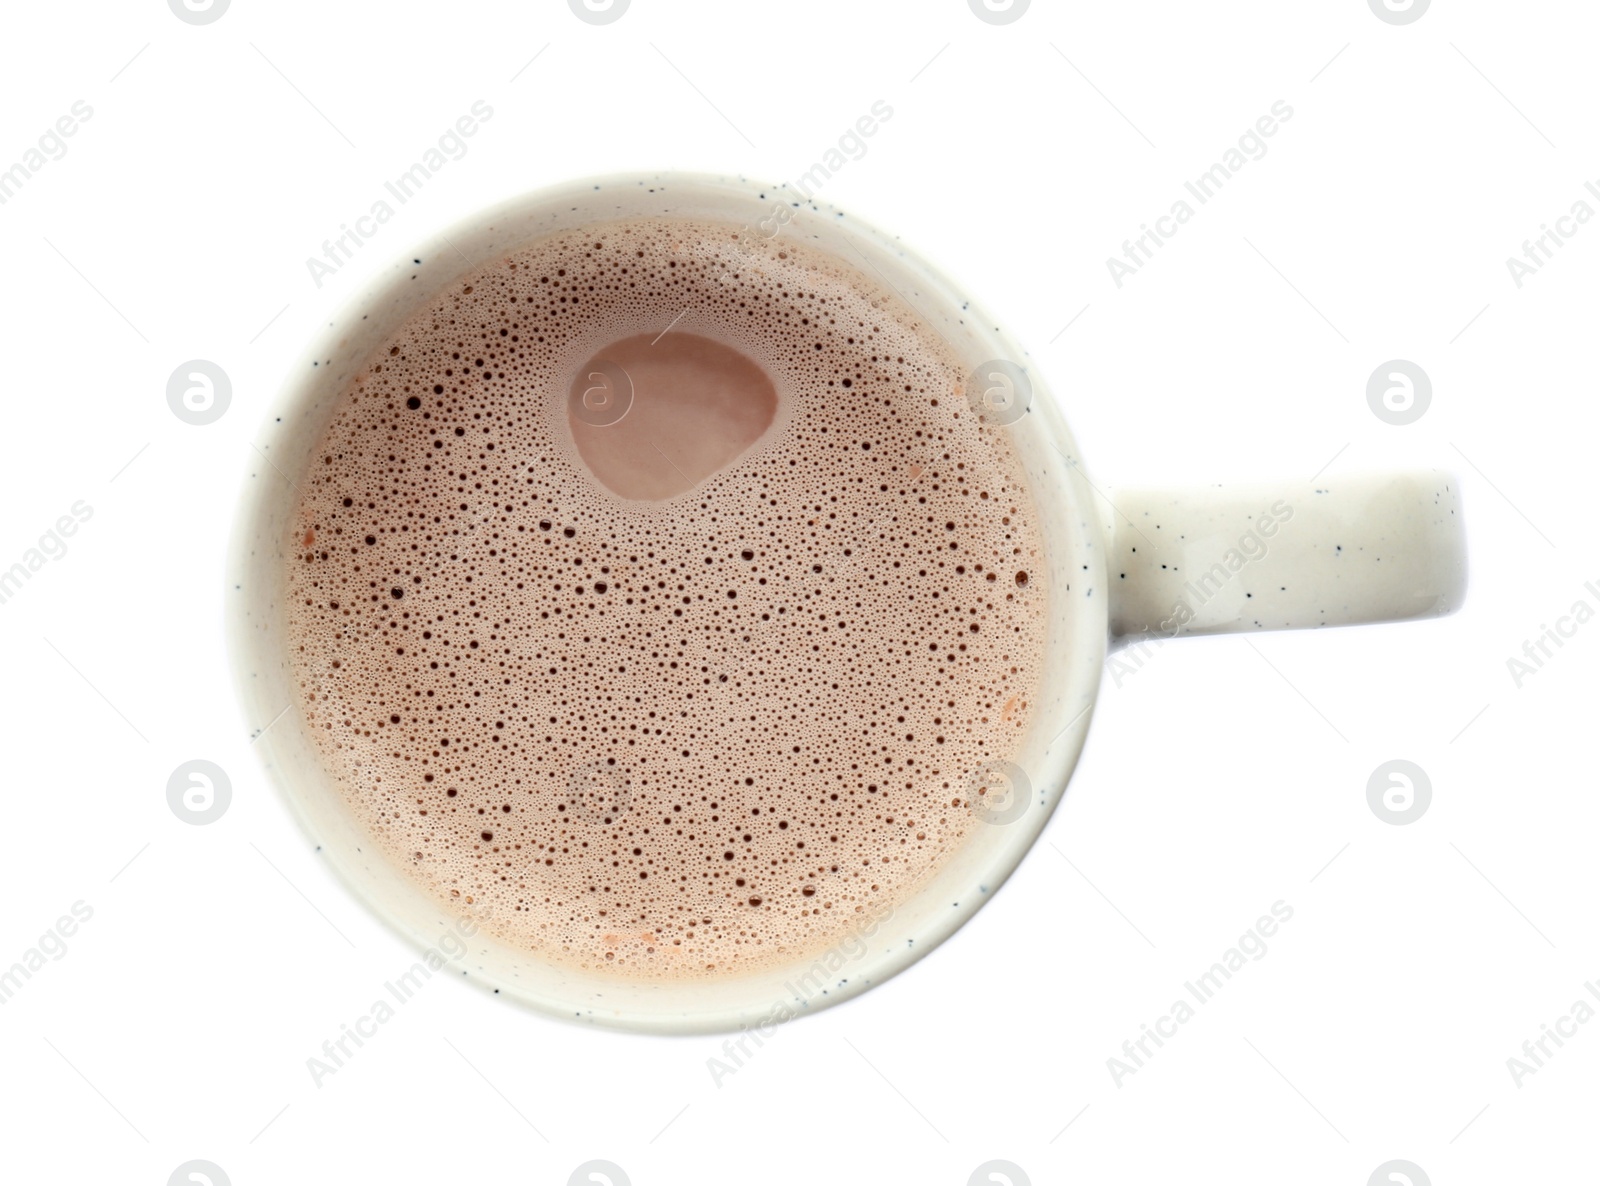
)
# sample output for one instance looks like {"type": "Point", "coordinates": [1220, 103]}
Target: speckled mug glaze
{"type": "Point", "coordinates": [1126, 563]}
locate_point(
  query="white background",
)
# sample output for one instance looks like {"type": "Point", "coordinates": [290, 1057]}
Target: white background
{"type": "Point", "coordinates": [1223, 776]}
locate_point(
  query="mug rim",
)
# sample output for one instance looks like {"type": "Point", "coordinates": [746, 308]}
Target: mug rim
{"type": "Point", "coordinates": [1086, 626]}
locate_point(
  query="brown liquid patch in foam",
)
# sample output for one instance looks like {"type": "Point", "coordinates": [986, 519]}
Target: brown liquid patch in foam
{"type": "Point", "coordinates": [654, 415]}
{"type": "Point", "coordinates": [706, 727]}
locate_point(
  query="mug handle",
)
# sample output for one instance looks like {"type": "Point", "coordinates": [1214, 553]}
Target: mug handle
{"type": "Point", "coordinates": [1335, 551]}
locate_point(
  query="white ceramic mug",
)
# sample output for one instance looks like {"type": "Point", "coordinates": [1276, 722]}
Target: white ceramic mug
{"type": "Point", "coordinates": [1121, 564]}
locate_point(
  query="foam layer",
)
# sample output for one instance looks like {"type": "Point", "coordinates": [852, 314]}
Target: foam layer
{"type": "Point", "coordinates": [671, 738]}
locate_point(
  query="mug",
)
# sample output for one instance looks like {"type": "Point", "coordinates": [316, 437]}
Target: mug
{"type": "Point", "coordinates": [1123, 564]}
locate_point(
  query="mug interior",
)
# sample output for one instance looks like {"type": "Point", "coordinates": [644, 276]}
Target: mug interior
{"type": "Point", "coordinates": [1076, 630]}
